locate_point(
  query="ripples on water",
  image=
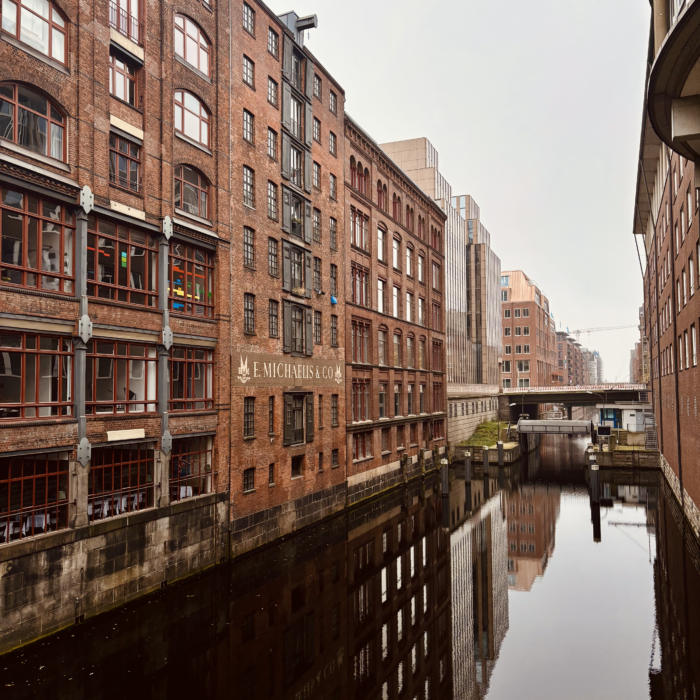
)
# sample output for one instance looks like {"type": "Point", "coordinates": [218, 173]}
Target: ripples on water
{"type": "Point", "coordinates": [515, 586]}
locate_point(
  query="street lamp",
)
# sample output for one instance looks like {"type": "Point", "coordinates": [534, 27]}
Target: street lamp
{"type": "Point", "coordinates": [605, 398]}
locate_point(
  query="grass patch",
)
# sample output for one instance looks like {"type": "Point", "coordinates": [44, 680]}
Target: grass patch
{"type": "Point", "coordinates": [485, 435]}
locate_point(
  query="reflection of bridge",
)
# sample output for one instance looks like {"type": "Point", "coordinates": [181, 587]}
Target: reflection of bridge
{"type": "Point", "coordinates": [526, 399]}
{"type": "Point", "coordinates": [555, 427]}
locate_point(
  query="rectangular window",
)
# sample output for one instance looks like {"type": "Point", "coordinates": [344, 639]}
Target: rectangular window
{"type": "Point", "coordinates": [274, 318]}
{"type": "Point", "coordinates": [421, 354]}
{"type": "Point", "coordinates": [333, 233]}
{"type": "Point", "coordinates": [248, 71]}
{"type": "Point", "coordinates": [381, 347]}
{"type": "Point", "coordinates": [272, 144]}
{"type": "Point", "coordinates": [506, 367]}
{"type": "Point", "coordinates": [360, 285]}
{"type": "Point", "coordinates": [271, 475]}
{"type": "Point", "coordinates": [317, 274]}
{"type": "Point", "coordinates": [526, 330]}
{"type": "Point", "coordinates": [397, 350]}
{"type": "Point", "coordinates": [421, 268]}
{"type": "Point", "coordinates": [37, 378]}
{"type": "Point", "coordinates": [272, 200]}
{"type": "Point", "coordinates": [295, 118]}
{"type": "Point", "coordinates": [409, 395]}
{"type": "Point", "coordinates": [526, 312]}
{"type": "Point", "coordinates": [437, 321]}
{"type": "Point", "coordinates": [248, 186]}
{"type": "Point", "coordinates": [273, 42]}
{"type": "Point", "coordinates": [271, 91]}
{"type": "Point", "coordinates": [436, 277]}
{"type": "Point", "coordinates": [396, 302]}
{"type": "Point", "coordinates": [359, 234]}
{"type": "Point", "coordinates": [271, 420]}
{"type": "Point", "coordinates": [523, 383]}
{"type": "Point", "coordinates": [249, 416]}
{"type": "Point", "coordinates": [316, 176]}
{"type": "Point", "coordinates": [122, 263]}
{"type": "Point", "coordinates": [120, 480]}
{"type": "Point", "coordinates": [334, 280]}
{"type": "Point", "coordinates": [334, 331]}
{"type": "Point", "coordinates": [523, 365]}
{"type": "Point", "coordinates": [507, 350]}
{"type": "Point", "coordinates": [381, 245]}
{"type": "Point", "coordinates": [248, 18]}
{"type": "Point", "coordinates": [190, 467]}
{"type": "Point", "coordinates": [410, 359]}
{"type": "Point", "coordinates": [334, 410]}
{"type": "Point", "coordinates": [437, 357]}
{"type": "Point", "coordinates": [360, 333]}
{"type": "Point", "coordinates": [191, 379]}
{"type": "Point", "coordinates": [526, 349]}
{"type": "Point", "coordinates": [317, 87]}
{"type": "Point", "coordinates": [120, 377]}
{"type": "Point", "coordinates": [248, 479]}
{"type": "Point", "coordinates": [272, 257]}
{"type": "Point", "coordinates": [506, 313]}
{"type": "Point", "coordinates": [360, 400]}
{"type": "Point", "coordinates": [398, 411]}
{"type": "Point", "coordinates": [248, 247]}
{"type": "Point", "coordinates": [33, 495]}
{"type": "Point", "coordinates": [122, 80]}
{"type": "Point", "coordinates": [317, 226]}
{"type": "Point", "coordinates": [124, 163]}
{"type": "Point", "coordinates": [296, 172]}
{"type": "Point", "coordinates": [362, 445]}
{"type": "Point", "coordinates": [317, 327]}
{"type": "Point", "coordinates": [248, 126]}
{"type": "Point", "coordinates": [332, 144]}
{"type": "Point", "coordinates": [421, 398]}
{"type": "Point", "coordinates": [317, 130]}
{"type": "Point", "coordinates": [190, 280]}
{"type": "Point", "coordinates": [333, 187]}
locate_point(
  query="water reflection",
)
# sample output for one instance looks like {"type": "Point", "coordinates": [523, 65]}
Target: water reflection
{"type": "Point", "coordinates": [419, 595]}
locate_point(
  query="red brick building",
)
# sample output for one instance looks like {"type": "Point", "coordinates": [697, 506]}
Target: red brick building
{"type": "Point", "coordinates": [528, 333]}
{"type": "Point", "coordinates": [288, 336]}
{"type": "Point", "coordinates": [395, 320]}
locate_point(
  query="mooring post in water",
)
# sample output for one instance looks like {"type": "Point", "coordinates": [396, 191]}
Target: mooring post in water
{"type": "Point", "coordinates": [500, 453]}
{"type": "Point", "coordinates": [595, 501]}
{"type": "Point", "coordinates": [467, 466]}
{"type": "Point", "coordinates": [486, 461]}
{"type": "Point", "coordinates": [445, 472]}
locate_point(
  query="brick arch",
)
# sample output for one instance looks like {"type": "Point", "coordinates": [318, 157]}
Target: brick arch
{"type": "Point", "coordinates": [39, 83]}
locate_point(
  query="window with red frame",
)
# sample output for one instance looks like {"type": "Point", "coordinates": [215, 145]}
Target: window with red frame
{"type": "Point", "coordinates": [191, 117]}
{"type": "Point", "coordinates": [124, 163]}
{"type": "Point", "coordinates": [33, 495]}
{"type": "Point", "coordinates": [360, 286]}
{"type": "Point", "coordinates": [191, 192]}
{"type": "Point", "coordinates": [360, 400]}
{"type": "Point", "coordinates": [396, 212]}
{"type": "Point", "coordinates": [190, 467]}
{"type": "Point", "coordinates": [362, 445]}
{"type": "Point", "coordinates": [37, 23]}
{"type": "Point", "coordinates": [124, 17]}
{"type": "Point", "coordinates": [120, 377]}
{"type": "Point", "coordinates": [36, 242]}
{"type": "Point", "coordinates": [190, 280]}
{"type": "Point", "coordinates": [435, 242]}
{"type": "Point", "coordinates": [437, 397]}
{"type": "Point", "coordinates": [438, 429]}
{"type": "Point", "coordinates": [353, 172]}
{"type": "Point", "coordinates": [120, 480]}
{"type": "Point", "coordinates": [359, 229]}
{"type": "Point", "coordinates": [437, 357]}
{"type": "Point", "coordinates": [360, 341]}
{"type": "Point", "coordinates": [122, 80]}
{"type": "Point", "coordinates": [36, 376]}
{"type": "Point", "coordinates": [191, 379]}
{"type": "Point", "coordinates": [362, 177]}
{"type": "Point", "coordinates": [122, 263]}
{"type": "Point", "coordinates": [30, 120]}
{"type": "Point", "coordinates": [420, 227]}
{"type": "Point", "coordinates": [191, 45]}
{"type": "Point", "coordinates": [436, 317]}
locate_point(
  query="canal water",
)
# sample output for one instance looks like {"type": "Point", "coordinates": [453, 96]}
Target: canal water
{"type": "Point", "coordinates": [516, 585]}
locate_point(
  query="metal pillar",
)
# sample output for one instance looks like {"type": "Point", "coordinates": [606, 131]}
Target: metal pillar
{"type": "Point", "coordinates": [500, 454]}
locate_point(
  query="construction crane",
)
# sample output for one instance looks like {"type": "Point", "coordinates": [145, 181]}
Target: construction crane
{"type": "Point", "coordinates": [602, 328]}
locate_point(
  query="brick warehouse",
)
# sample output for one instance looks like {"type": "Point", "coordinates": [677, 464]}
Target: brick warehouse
{"type": "Point", "coordinates": [394, 321]}
{"type": "Point", "coordinates": [288, 359]}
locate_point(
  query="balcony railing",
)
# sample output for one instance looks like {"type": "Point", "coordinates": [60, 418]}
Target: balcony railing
{"type": "Point", "coordinates": [124, 23]}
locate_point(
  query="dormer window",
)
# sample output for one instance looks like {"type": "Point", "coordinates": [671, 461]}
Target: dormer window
{"type": "Point", "coordinates": [32, 121]}
{"type": "Point", "coordinates": [36, 23]}
{"type": "Point", "coordinates": [191, 45]}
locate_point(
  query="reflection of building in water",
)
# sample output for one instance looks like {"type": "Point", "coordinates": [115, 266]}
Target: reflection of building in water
{"type": "Point", "coordinates": [479, 594]}
{"type": "Point", "coordinates": [532, 517]}
{"type": "Point", "coordinates": [399, 599]}
{"type": "Point", "coordinates": [675, 664]}
{"type": "Point", "coordinates": [629, 496]}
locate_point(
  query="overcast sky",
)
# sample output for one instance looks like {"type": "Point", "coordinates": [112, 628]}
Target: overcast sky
{"type": "Point", "coordinates": [535, 110]}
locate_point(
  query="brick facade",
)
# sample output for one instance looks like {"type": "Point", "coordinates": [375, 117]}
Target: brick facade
{"type": "Point", "coordinates": [394, 316]}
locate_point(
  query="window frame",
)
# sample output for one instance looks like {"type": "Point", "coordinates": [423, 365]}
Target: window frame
{"type": "Point", "coordinates": [249, 313]}
{"type": "Point", "coordinates": [248, 71]}
{"type": "Point", "coordinates": [206, 261]}
{"type": "Point", "coordinates": [114, 150]}
{"type": "Point", "coordinates": [126, 78]}
{"type": "Point", "coordinates": [201, 188]}
{"type": "Point", "coordinates": [188, 402]}
{"type": "Point", "coordinates": [204, 46]}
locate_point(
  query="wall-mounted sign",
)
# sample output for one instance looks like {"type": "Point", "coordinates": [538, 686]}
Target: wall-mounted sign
{"type": "Point", "coordinates": [252, 369]}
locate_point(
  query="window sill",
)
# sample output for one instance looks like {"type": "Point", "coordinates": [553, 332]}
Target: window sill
{"type": "Point", "coordinates": [363, 459]}
{"type": "Point", "coordinates": [298, 476]}
{"type": "Point", "coordinates": [335, 425]}
{"type": "Point", "coordinates": [249, 206]}
{"type": "Point", "coordinates": [194, 217]}
{"type": "Point", "coordinates": [46, 160]}
{"type": "Point", "coordinates": [34, 53]}
{"type": "Point", "coordinates": [250, 333]}
{"type": "Point", "coordinates": [198, 72]}
{"type": "Point", "coordinates": [271, 485]}
{"type": "Point", "coordinates": [65, 296]}
{"type": "Point", "coordinates": [386, 452]}
{"type": "Point", "coordinates": [123, 304]}
{"type": "Point", "coordinates": [192, 142]}
{"type": "Point", "coordinates": [127, 104]}
{"type": "Point", "coordinates": [126, 190]}
{"type": "Point", "coordinates": [250, 437]}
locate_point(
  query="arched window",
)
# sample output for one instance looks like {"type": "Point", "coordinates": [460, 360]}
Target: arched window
{"type": "Point", "coordinates": [420, 227]}
{"type": "Point", "coordinates": [191, 117]}
{"type": "Point", "coordinates": [360, 178]}
{"type": "Point", "coordinates": [395, 211]}
{"type": "Point", "coordinates": [385, 201]}
{"type": "Point", "coordinates": [191, 191]}
{"type": "Point", "coordinates": [191, 45]}
{"type": "Point", "coordinates": [32, 121]}
{"type": "Point", "coordinates": [353, 172]}
{"type": "Point", "coordinates": [380, 192]}
{"type": "Point", "coordinates": [37, 23]}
